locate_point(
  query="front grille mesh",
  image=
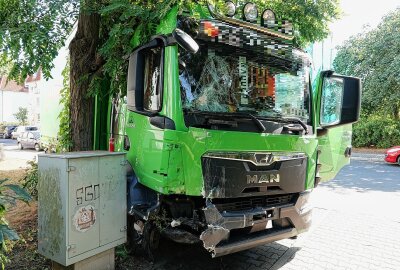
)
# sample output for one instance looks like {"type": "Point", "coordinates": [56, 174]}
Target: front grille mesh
{"type": "Point", "coordinates": [248, 203]}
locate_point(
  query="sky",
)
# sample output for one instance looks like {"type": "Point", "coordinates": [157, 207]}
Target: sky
{"type": "Point", "coordinates": [357, 13]}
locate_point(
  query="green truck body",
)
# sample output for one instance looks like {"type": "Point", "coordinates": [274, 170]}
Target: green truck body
{"type": "Point", "coordinates": [232, 175]}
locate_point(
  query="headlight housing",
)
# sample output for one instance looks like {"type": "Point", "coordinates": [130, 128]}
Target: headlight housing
{"type": "Point", "coordinates": [268, 16]}
{"type": "Point", "coordinates": [230, 9]}
{"type": "Point", "coordinates": [250, 12]}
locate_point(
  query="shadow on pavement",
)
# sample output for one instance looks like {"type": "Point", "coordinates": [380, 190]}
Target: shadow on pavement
{"type": "Point", "coordinates": [173, 256]}
{"type": "Point", "coordinates": [364, 176]}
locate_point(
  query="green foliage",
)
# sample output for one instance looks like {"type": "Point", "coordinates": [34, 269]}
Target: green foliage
{"type": "Point", "coordinates": [9, 194]}
{"type": "Point", "coordinates": [376, 130]}
{"type": "Point", "coordinates": [310, 18]}
{"type": "Point", "coordinates": [64, 142]}
{"type": "Point", "coordinates": [22, 115]}
{"type": "Point", "coordinates": [5, 65]}
{"type": "Point", "coordinates": [374, 57]}
{"type": "Point", "coordinates": [32, 32]}
{"type": "Point", "coordinates": [31, 178]}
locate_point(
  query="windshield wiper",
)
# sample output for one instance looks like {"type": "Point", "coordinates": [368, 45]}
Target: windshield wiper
{"type": "Point", "coordinates": [288, 120]}
{"type": "Point", "coordinates": [259, 124]}
{"type": "Point", "coordinates": [256, 119]}
{"type": "Point", "coordinates": [297, 120]}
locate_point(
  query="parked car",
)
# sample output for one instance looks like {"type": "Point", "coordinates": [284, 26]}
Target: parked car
{"type": "Point", "coordinates": [7, 131]}
{"type": "Point", "coordinates": [21, 129]}
{"type": "Point", "coordinates": [392, 155]}
{"type": "Point", "coordinates": [30, 139]}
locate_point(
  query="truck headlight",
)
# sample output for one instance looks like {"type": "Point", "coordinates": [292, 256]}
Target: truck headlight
{"type": "Point", "coordinates": [250, 12]}
{"type": "Point", "coordinates": [268, 16]}
{"type": "Point", "coordinates": [230, 8]}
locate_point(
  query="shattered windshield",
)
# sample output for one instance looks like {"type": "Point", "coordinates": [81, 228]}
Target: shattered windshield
{"type": "Point", "coordinates": [221, 78]}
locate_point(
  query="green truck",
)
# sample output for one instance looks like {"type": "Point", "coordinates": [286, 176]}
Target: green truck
{"type": "Point", "coordinates": [224, 134]}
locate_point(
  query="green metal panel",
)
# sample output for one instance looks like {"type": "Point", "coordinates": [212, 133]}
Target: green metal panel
{"type": "Point", "coordinates": [153, 148]}
{"type": "Point", "coordinates": [332, 144]}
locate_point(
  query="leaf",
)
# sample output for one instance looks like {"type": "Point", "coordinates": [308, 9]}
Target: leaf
{"type": "Point", "coordinates": [7, 233]}
{"type": "Point", "coordinates": [20, 193]}
{"type": "Point", "coordinates": [113, 7]}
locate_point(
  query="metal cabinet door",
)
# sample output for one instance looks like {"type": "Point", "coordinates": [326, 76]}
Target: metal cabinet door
{"type": "Point", "coordinates": [84, 205]}
{"type": "Point", "coordinates": [112, 218]}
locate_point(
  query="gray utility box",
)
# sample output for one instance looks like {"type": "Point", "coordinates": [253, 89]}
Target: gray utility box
{"type": "Point", "coordinates": [82, 204]}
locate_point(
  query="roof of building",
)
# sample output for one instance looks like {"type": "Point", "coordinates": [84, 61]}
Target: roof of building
{"type": "Point", "coordinates": [10, 85]}
{"type": "Point", "coordinates": [34, 77]}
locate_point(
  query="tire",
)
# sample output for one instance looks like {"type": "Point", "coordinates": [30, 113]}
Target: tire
{"type": "Point", "coordinates": [151, 240]}
{"type": "Point", "coordinates": [398, 160]}
{"type": "Point", "coordinates": [20, 147]}
{"type": "Point", "coordinates": [145, 244]}
{"type": "Point", "coordinates": [134, 240]}
{"type": "Point", "coordinates": [37, 147]}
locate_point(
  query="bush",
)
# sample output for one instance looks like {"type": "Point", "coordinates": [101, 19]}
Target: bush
{"type": "Point", "coordinates": [30, 180]}
{"type": "Point", "coordinates": [9, 194]}
{"type": "Point", "coordinates": [376, 130]}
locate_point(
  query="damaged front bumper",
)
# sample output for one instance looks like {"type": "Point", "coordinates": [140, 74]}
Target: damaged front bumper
{"type": "Point", "coordinates": [233, 231]}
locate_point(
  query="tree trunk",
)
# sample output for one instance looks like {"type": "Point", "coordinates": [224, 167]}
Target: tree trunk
{"type": "Point", "coordinates": [83, 49]}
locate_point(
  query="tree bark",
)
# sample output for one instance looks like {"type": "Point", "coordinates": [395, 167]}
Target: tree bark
{"type": "Point", "coordinates": [83, 49]}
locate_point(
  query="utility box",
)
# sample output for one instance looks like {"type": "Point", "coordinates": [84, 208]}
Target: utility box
{"type": "Point", "coordinates": [82, 204]}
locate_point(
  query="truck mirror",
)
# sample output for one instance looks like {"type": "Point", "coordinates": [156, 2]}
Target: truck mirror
{"type": "Point", "coordinates": [135, 78]}
{"type": "Point", "coordinates": [185, 41]}
{"type": "Point", "coordinates": [340, 100]}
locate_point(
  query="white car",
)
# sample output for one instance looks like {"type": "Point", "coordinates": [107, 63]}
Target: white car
{"type": "Point", "coordinates": [21, 129]}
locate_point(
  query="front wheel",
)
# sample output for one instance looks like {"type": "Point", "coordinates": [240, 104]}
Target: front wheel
{"type": "Point", "coordinates": [144, 239]}
{"type": "Point", "coordinates": [20, 147]}
{"type": "Point", "coordinates": [398, 160]}
{"type": "Point", "coordinates": [151, 240]}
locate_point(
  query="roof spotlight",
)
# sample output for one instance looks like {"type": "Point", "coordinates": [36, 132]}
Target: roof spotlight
{"type": "Point", "coordinates": [268, 16]}
{"type": "Point", "coordinates": [230, 8]}
{"type": "Point", "coordinates": [250, 12]}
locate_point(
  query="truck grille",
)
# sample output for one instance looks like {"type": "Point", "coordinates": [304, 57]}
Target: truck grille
{"type": "Point", "coordinates": [241, 204]}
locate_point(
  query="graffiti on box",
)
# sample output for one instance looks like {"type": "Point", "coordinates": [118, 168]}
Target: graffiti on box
{"type": "Point", "coordinates": [84, 218]}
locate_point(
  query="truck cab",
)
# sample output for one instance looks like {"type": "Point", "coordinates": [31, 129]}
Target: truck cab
{"type": "Point", "coordinates": [225, 136]}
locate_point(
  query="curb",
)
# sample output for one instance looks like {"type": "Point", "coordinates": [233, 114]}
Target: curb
{"type": "Point", "coordinates": [368, 157]}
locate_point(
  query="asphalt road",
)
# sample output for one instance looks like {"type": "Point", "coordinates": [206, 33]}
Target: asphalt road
{"type": "Point", "coordinates": [356, 225]}
{"type": "Point", "coordinates": [8, 142]}
{"type": "Point", "coordinates": [13, 157]}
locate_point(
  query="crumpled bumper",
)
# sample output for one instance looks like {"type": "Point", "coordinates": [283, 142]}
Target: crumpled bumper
{"type": "Point", "coordinates": [264, 225]}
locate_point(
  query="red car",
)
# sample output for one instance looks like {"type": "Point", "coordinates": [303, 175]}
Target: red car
{"type": "Point", "coordinates": [392, 155]}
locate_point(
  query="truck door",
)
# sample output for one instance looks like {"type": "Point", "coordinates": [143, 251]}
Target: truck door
{"type": "Point", "coordinates": [334, 151]}
{"type": "Point", "coordinates": [338, 106]}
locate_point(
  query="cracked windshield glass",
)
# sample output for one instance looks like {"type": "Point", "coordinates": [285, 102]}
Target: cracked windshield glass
{"type": "Point", "coordinates": [221, 79]}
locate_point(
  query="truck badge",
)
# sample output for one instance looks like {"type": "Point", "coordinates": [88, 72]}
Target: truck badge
{"type": "Point", "coordinates": [263, 178]}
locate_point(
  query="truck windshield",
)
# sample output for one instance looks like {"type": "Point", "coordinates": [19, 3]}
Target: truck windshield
{"type": "Point", "coordinates": [224, 79]}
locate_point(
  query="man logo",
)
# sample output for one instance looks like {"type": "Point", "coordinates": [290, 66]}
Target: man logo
{"type": "Point", "coordinates": [264, 178]}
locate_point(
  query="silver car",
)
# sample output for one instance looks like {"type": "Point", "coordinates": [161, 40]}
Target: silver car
{"type": "Point", "coordinates": [30, 139]}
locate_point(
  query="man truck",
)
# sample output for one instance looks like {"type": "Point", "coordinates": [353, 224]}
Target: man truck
{"type": "Point", "coordinates": [224, 134]}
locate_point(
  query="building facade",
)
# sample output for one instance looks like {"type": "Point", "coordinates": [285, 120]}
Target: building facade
{"type": "Point", "coordinates": [12, 97]}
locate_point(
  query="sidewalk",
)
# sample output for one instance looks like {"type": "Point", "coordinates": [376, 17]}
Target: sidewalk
{"type": "Point", "coordinates": [14, 159]}
{"type": "Point", "coordinates": [372, 155]}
